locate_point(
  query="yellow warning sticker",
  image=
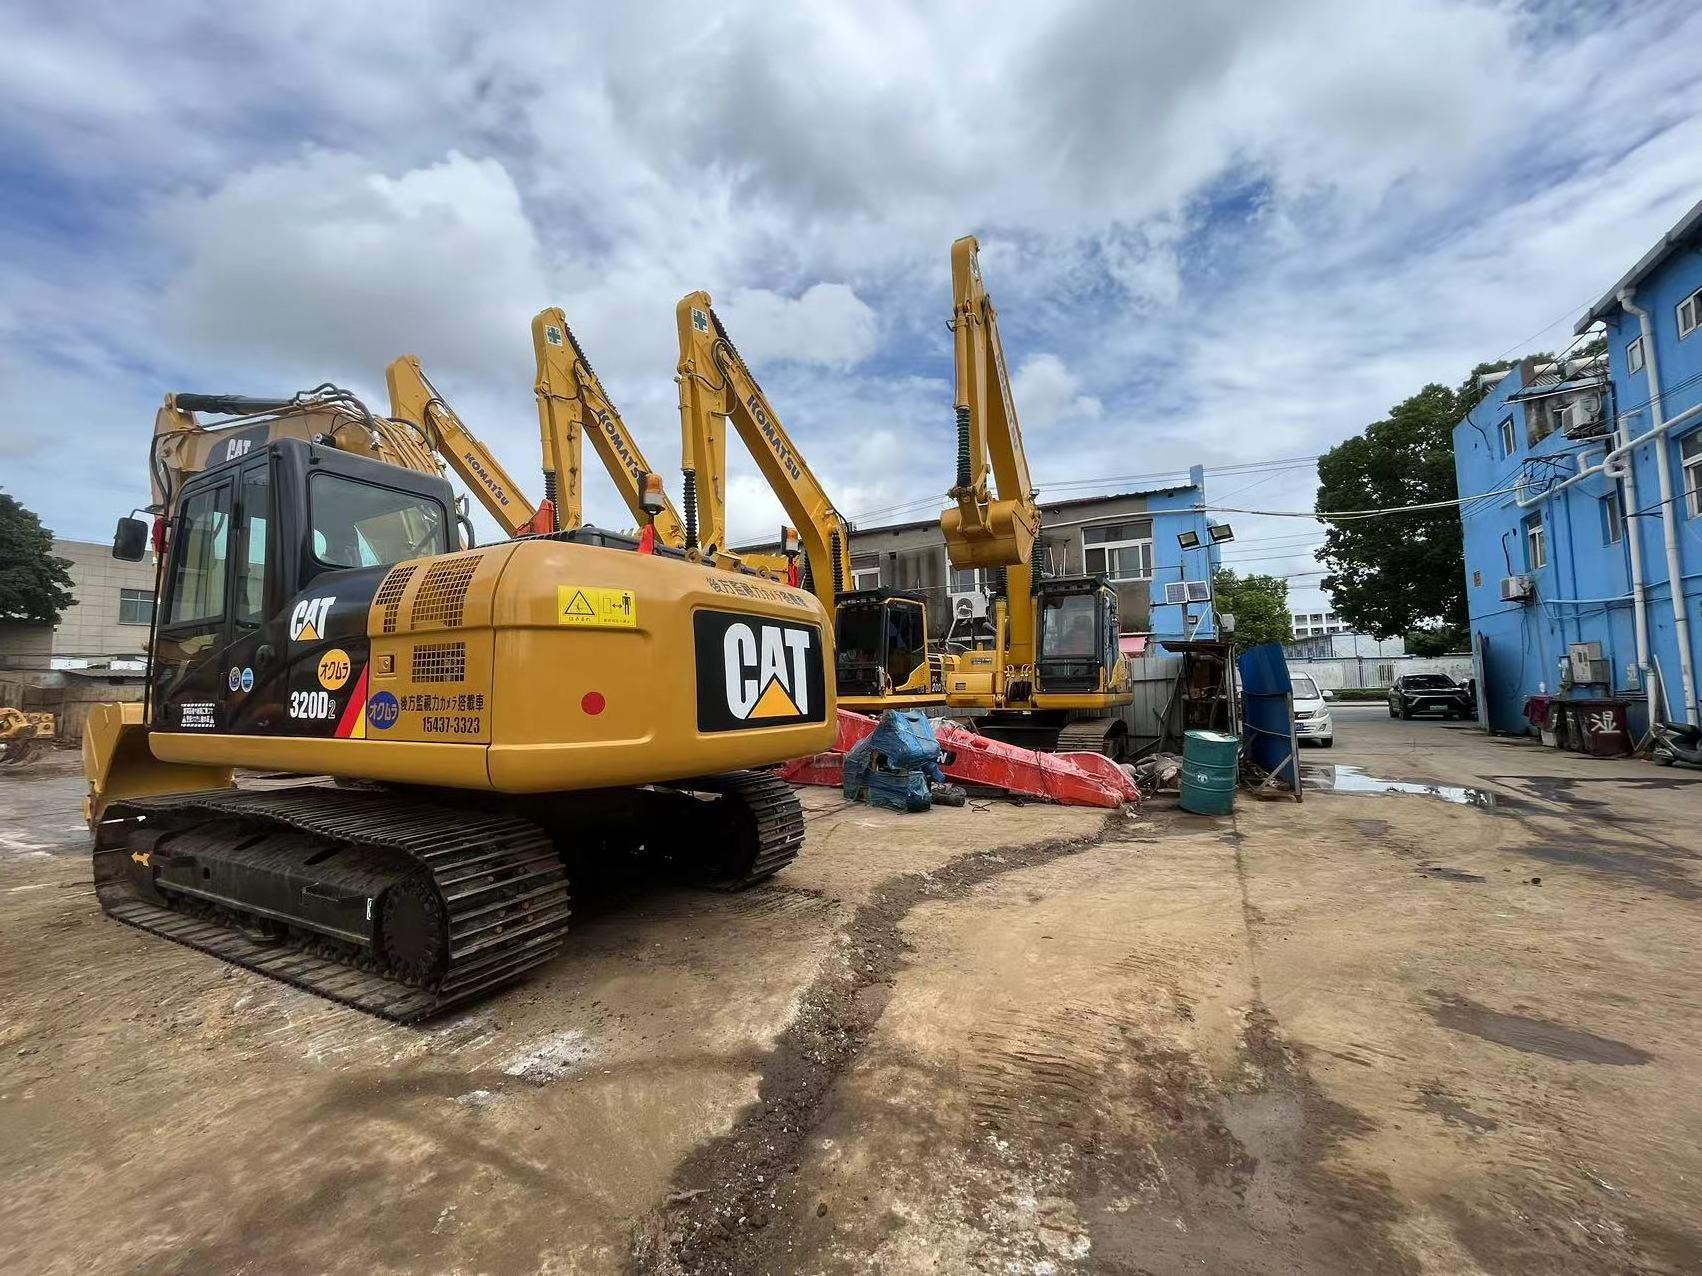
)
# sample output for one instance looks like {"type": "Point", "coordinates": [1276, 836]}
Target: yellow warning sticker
{"type": "Point", "coordinates": [334, 669]}
{"type": "Point", "coordinates": [596, 606]}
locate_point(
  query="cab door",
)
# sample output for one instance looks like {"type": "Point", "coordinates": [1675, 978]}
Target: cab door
{"type": "Point", "coordinates": [193, 629]}
{"type": "Point", "coordinates": [216, 649]}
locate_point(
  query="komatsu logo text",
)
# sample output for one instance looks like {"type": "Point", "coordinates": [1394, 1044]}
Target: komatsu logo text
{"type": "Point", "coordinates": [756, 672]}
{"type": "Point", "coordinates": [614, 437]}
{"type": "Point", "coordinates": [774, 440]}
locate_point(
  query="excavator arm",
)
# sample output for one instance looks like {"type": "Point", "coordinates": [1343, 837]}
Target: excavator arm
{"type": "Point", "coordinates": [716, 387]}
{"type": "Point", "coordinates": [415, 400]}
{"type": "Point", "coordinates": [183, 446]}
{"type": "Point", "coordinates": [573, 405]}
{"type": "Point", "coordinates": [990, 527]}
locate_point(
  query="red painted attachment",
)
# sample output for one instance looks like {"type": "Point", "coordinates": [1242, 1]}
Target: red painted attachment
{"type": "Point", "coordinates": [1072, 779]}
{"type": "Point", "coordinates": [592, 702]}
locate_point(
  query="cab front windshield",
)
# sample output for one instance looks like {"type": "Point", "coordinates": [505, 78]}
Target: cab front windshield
{"type": "Point", "coordinates": [1069, 627]}
{"type": "Point", "coordinates": [888, 634]}
{"type": "Point", "coordinates": [359, 524]}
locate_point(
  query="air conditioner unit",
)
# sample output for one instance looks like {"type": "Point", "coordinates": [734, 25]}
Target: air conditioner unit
{"type": "Point", "coordinates": [1516, 589]}
{"type": "Point", "coordinates": [1582, 417]}
{"type": "Point", "coordinates": [968, 606]}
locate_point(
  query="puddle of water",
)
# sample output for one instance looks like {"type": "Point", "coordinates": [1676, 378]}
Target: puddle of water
{"type": "Point", "coordinates": [1534, 1036]}
{"type": "Point", "coordinates": [1353, 779]}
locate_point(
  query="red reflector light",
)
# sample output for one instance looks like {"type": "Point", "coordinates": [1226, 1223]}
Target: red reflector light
{"type": "Point", "coordinates": [593, 703]}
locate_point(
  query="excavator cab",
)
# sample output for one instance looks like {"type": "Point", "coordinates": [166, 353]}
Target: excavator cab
{"type": "Point", "coordinates": [881, 640]}
{"type": "Point", "coordinates": [1078, 635]}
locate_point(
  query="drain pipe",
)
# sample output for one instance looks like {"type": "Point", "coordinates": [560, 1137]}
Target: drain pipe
{"type": "Point", "coordinates": [1626, 473]}
{"type": "Point", "coordinates": [1669, 516]}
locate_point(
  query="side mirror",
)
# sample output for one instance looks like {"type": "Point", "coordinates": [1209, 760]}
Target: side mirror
{"type": "Point", "coordinates": [130, 540]}
{"type": "Point", "coordinates": [1328, 694]}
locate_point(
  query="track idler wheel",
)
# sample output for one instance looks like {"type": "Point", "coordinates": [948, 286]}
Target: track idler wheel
{"type": "Point", "coordinates": [413, 933]}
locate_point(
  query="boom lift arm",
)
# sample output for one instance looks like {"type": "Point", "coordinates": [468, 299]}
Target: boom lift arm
{"type": "Point", "coordinates": [985, 530]}
{"type": "Point", "coordinates": [415, 400]}
{"type": "Point", "coordinates": [716, 386]}
{"type": "Point", "coordinates": [572, 404]}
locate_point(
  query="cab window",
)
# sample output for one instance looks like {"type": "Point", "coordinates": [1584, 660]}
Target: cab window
{"type": "Point", "coordinates": [357, 524]}
{"type": "Point", "coordinates": [1069, 626]}
{"type": "Point", "coordinates": [203, 541]}
{"type": "Point", "coordinates": [254, 516]}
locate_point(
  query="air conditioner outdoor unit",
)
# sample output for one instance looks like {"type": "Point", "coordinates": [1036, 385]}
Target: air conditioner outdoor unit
{"type": "Point", "coordinates": [968, 606]}
{"type": "Point", "coordinates": [1515, 589]}
{"type": "Point", "coordinates": [1583, 416]}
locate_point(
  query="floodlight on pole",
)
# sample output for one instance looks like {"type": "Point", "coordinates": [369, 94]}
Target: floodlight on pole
{"type": "Point", "coordinates": [1220, 532]}
{"type": "Point", "coordinates": [1188, 540]}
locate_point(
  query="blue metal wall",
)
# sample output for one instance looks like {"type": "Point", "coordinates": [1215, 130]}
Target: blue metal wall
{"type": "Point", "coordinates": [1583, 593]}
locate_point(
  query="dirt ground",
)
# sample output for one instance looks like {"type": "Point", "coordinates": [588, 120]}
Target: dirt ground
{"type": "Point", "coordinates": [1431, 1032]}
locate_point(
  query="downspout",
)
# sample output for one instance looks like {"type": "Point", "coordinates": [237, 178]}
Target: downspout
{"type": "Point", "coordinates": [1626, 473]}
{"type": "Point", "coordinates": [1669, 516]}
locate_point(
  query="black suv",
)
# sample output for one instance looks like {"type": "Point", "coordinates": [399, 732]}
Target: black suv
{"type": "Point", "coordinates": [1429, 693]}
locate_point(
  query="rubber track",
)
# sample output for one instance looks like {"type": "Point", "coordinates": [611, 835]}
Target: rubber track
{"type": "Point", "coordinates": [1085, 735]}
{"type": "Point", "coordinates": [502, 883]}
{"type": "Point", "coordinates": [778, 814]}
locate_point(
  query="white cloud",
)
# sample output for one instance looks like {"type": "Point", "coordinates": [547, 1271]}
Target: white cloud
{"type": "Point", "coordinates": [826, 324]}
{"type": "Point", "coordinates": [1048, 393]}
{"type": "Point", "coordinates": [1215, 231]}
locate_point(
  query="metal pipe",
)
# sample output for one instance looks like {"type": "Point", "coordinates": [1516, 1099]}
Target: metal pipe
{"type": "Point", "coordinates": [1669, 519]}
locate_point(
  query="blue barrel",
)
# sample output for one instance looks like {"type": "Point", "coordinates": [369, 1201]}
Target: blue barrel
{"type": "Point", "coordinates": [1208, 772]}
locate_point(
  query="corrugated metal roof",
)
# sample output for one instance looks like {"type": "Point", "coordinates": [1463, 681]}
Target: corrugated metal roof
{"type": "Point", "coordinates": [1549, 384]}
{"type": "Point", "coordinates": [1688, 225]}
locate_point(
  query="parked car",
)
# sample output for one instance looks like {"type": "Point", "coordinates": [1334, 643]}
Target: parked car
{"type": "Point", "coordinates": [1312, 711]}
{"type": "Point", "coordinates": [1429, 693]}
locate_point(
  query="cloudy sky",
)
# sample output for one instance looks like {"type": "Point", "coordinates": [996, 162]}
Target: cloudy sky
{"type": "Point", "coordinates": [1217, 232]}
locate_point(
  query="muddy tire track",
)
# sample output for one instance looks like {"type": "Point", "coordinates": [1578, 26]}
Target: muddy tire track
{"type": "Point", "coordinates": [731, 1189]}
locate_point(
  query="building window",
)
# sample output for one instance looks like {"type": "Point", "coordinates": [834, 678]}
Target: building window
{"type": "Point", "coordinates": [1118, 551]}
{"type": "Point", "coordinates": [1690, 314]}
{"type": "Point", "coordinates": [1613, 518]}
{"type": "Point", "coordinates": [866, 577]}
{"type": "Point", "coordinates": [966, 580]}
{"type": "Point", "coordinates": [1690, 457]}
{"type": "Point", "coordinates": [135, 607]}
{"type": "Point", "coordinates": [1508, 443]}
{"type": "Point", "coordinates": [1536, 545]}
{"type": "Point", "coordinates": [1634, 355]}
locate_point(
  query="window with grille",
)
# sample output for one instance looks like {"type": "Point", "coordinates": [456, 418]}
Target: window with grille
{"type": "Point", "coordinates": [135, 607]}
{"type": "Point", "coordinates": [1118, 551]}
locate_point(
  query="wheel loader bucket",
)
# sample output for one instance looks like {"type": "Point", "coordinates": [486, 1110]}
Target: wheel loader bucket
{"type": "Point", "coordinates": [119, 765]}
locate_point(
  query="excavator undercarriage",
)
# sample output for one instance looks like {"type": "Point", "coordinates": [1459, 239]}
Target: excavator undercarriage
{"type": "Point", "coordinates": [404, 903]}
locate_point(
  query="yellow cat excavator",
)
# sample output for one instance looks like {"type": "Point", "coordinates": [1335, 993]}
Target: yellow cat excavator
{"type": "Point", "coordinates": [494, 714]}
{"type": "Point", "coordinates": [881, 635]}
{"type": "Point", "coordinates": [1054, 672]}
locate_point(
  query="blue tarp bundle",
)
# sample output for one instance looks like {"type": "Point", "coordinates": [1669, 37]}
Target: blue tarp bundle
{"type": "Point", "coordinates": [895, 765]}
{"type": "Point", "coordinates": [1267, 713]}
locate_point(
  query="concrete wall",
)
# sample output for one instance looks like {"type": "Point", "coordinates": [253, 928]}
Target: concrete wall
{"type": "Point", "coordinates": [1341, 672]}
{"type": "Point", "coordinates": [91, 625]}
{"type": "Point", "coordinates": [24, 646]}
{"type": "Point", "coordinates": [67, 696]}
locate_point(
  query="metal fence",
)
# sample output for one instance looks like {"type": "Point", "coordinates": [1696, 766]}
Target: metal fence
{"type": "Point", "coordinates": [1340, 673]}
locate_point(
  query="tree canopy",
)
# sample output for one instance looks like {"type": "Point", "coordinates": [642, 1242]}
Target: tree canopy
{"type": "Point", "coordinates": [35, 586]}
{"type": "Point", "coordinates": [1258, 603]}
{"type": "Point", "coordinates": [1397, 573]}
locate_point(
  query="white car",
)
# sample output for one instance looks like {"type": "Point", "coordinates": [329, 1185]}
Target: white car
{"type": "Point", "coordinates": [1312, 711]}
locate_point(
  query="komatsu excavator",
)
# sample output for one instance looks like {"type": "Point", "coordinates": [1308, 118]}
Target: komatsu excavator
{"type": "Point", "coordinates": [881, 635]}
{"type": "Point", "coordinates": [493, 715]}
{"type": "Point", "coordinates": [1053, 672]}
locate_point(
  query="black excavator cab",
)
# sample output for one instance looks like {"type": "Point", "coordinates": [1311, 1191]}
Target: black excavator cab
{"type": "Point", "coordinates": [1077, 644]}
{"type": "Point", "coordinates": [881, 637]}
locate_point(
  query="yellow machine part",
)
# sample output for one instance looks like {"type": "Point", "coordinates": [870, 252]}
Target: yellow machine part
{"type": "Point", "coordinates": [119, 764]}
{"type": "Point", "coordinates": [1005, 539]}
{"type": "Point", "coordinates": [542, 666]}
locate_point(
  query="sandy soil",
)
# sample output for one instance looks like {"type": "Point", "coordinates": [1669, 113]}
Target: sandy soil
{"type": "Point", "coordinates": [1371, 1033]}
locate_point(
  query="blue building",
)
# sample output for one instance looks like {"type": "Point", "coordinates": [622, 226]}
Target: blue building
{"type": "Point", "coordinates": [1129, 537]}
{"type": "Point", "coordinates": [1581, 505]}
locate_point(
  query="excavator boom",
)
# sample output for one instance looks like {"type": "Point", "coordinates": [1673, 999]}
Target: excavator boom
{"type": "Point", "coordinates": [572, 405]}
{"type": "Point", "coordinates": [415, 400]}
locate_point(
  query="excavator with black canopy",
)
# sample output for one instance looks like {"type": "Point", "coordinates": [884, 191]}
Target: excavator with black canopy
{"type": "Point", "coordinates": [1053, 673]}
{"type": "Point", "coordinates": [494, 715]}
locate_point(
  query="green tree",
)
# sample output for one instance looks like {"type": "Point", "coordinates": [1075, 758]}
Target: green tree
{"type": "Point", "coordinates": [1258, 603]}
{"type": "Point", "coordinates": [34, 585]}
{"type": "Point", "coordinates": [1443, 640]}
{"type": "Point", "coordinates": [1399, 572]}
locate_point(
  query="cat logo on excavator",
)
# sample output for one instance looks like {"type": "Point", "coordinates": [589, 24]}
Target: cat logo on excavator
{"type": "Point", "coordinates": [753, 671]}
